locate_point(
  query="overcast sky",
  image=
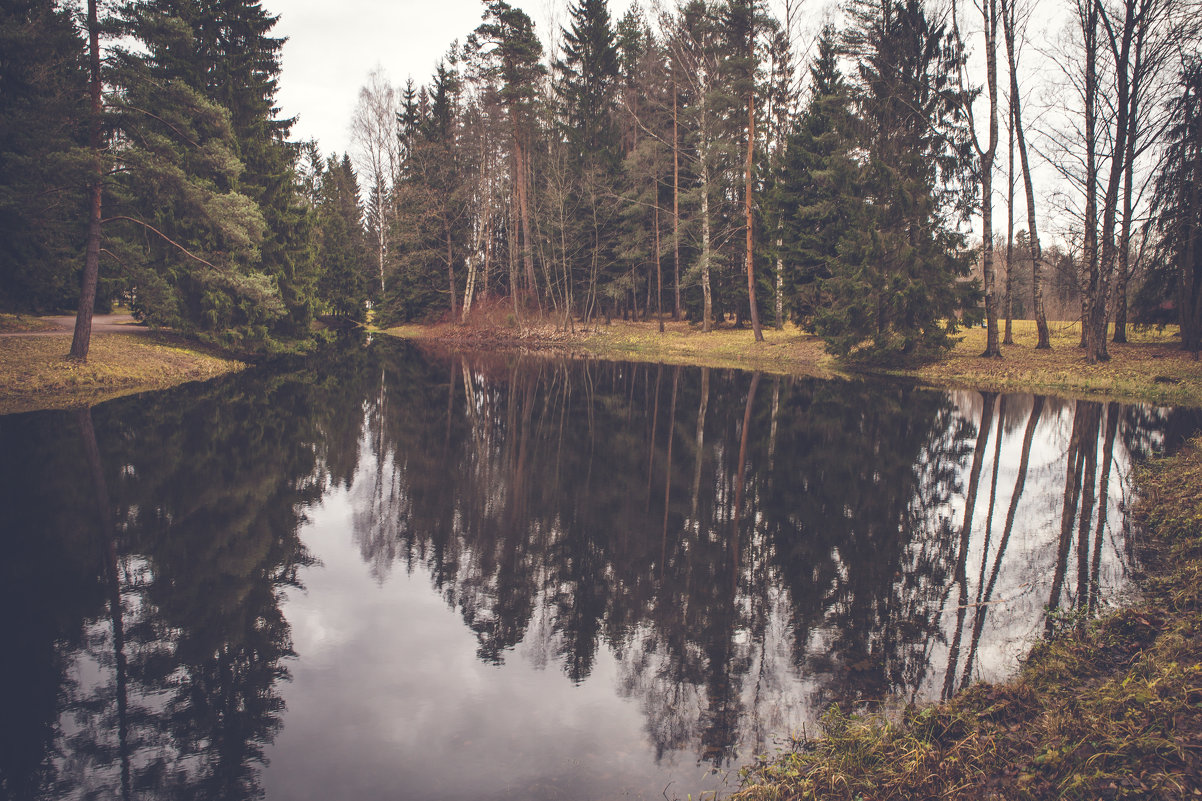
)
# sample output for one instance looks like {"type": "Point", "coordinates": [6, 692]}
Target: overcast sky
{"type": "Point", "coordinates": [334, 44]}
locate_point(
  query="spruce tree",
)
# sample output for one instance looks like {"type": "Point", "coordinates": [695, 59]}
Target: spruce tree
{"type": "Point", "coordinates": [189, 239]}
{"type": "Point", "coordinates": [817, 193]}
{"type": "Point", "coordinates": [43, 131]}
{"type": "Point", "coordinates": [1175, 279]}
{"type": "Point", "coordinates": [898, 283]}
{"type": "Point", "coordinates": [587, 83]}
{"type": "Point", "coordinates": [342, 245]}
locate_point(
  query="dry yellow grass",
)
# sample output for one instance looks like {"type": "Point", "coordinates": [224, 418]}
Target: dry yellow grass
{"type": "Point", "coordinates": [1151, 368]}
{"type": "Point", "coordinates": [35, 372]}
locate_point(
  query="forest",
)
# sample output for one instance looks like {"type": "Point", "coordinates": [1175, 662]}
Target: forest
{"type": "Point", "coordinates": [706, 161]}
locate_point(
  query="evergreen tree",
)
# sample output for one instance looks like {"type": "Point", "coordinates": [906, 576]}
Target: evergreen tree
{"type": "Point", "coordinates": [587, 83]}
{"type": "Point", "coordinates": [189, 238]}
{"type": "Point", "coordinates": [432, 201]}
{"type": "Point", "coordinates": [511, 54]}
{"type": "Point", "coordinates": [1175, 278]}
{"type": "Point", "coordinates": [343, 251]}
{"type": "Point", "coordinates": [897, 285]}
{"type": "Point", "coordinates": [586, 87]}
{"type": "Point", "coordinates": [243, 71]}
{"type": "Point", "coordinates": [43, 111]}
{"type": "Point", "coordinates": [816, 194]}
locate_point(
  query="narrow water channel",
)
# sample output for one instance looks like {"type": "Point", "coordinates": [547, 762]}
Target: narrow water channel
{"type": "Point", "coordinates": [387, 574]}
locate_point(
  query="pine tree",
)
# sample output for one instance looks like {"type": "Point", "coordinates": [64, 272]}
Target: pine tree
{"type": "Point", "coordinates": [243, 71]}
{"type": "Point", "coordinates": [816, 194]}
{"type": "Point", "coordinates": [343, 251]}
{"type": "Point", "coordinates": [587, 82]}
{"type": "Point", "coordinates": [898, 283]}
{"type": "Point", "coordinates": [1177, 274]}
{"type": "Point", "coordinates": [189, 238]}
{"type": "Point", "coordinates": [43, 111]}
{"type": "Point", "coordinates": [511, 52]}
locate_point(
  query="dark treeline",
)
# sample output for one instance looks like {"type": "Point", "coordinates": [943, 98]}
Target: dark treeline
{"type": "Point", "coordinates": [667, 167]}
{"type": "Point", "coordinates": [204, 219]}
{"type": "Point", "coordinates": [696, 163]}
{"type": "Point", "coordinates": [692, 163]}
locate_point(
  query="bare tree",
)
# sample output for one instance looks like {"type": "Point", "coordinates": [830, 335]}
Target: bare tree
{"type": "Point", "coordinates": [1010, 24]}
{"type": "Point", "coordinates": [989, 18]}
{"type": "Point", "coordinates": [374, 137]}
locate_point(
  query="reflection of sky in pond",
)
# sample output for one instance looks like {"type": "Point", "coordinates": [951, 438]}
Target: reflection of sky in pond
{"type": "Point", "coordinates": [395, 576]}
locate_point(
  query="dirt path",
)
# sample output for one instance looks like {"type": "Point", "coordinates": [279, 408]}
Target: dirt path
{"type": "Point", "coordinates": [64, 325]}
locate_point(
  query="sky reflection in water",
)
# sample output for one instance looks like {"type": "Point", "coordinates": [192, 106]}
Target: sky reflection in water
{"type": "Point", "coordinates": [392, 575]}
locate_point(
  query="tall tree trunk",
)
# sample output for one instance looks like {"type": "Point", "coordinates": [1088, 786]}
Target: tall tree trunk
{"type": "Point", "coordinates": [1090, 257]}
{"type": "Point", "coordinates": [989, 12]}
{"type": "Point", "coordinates": [747, 215]}
{"type": "Point", "coordinates": [451, 269]}
{"type": "Point", "coordinates": [82, 337]}
{"type": "Point", "coordinates": [1008, 337]}
{"type": "Point", "coordinates": [1124, 255]}
{"type": "Point", "coordinates": [675, 203]}
{"type": "Point", "coordinates": [524, 211]}
{"type": "Point", "coordinates": [706, 254]}
{"type": "Point", "coordinates": [1041, 321]}
{"type": "Point", "coordinates": [659, 272]}
{"type": "Point", "coordinates": [1120, 43]}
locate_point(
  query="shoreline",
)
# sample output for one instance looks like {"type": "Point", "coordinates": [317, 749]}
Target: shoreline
{"type": "Point", "coordinates": [1151, 369]}
{"type": "Point", "coordinates": [36, 373]}
{"type": "Point", "coordinates": [1108, 707]}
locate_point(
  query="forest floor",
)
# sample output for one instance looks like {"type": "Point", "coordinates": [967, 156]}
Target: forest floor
{"type": "Point", "coordinates": [36, 373]}
{"type": "Point", "coordinates": [1151, 368]}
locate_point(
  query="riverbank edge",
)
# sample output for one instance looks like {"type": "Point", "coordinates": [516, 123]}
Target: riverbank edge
{"type": "Point", "coordinates": [1151, 369]}
{"type": "Point", "coordinates": [1105, 708]}
{"type": "Point", "coordinates": [37, 374]}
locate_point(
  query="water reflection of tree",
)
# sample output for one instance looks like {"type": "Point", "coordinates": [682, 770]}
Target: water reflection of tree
{"type": "Point", "coordinates": [186, 508]}
{"type": "Point", "coordinates": [729, 543]}
{"type": "Point", "coordinates": [622, 507]}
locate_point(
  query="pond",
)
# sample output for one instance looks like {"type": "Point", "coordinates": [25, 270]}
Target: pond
{"type": "Point", "coordinates": [386, 573]}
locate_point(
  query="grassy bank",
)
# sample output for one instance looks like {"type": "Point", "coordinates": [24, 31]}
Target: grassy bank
{"type": "Point", "coordinates": [1111, 709]}
{"type": "Point", "coordinates": [1150, 368]}
{"type": "Point", "coordinates": [35, 372]}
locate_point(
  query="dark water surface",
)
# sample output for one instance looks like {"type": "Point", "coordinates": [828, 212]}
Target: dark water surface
{"type": "Point", "coordinates": [392, 576]}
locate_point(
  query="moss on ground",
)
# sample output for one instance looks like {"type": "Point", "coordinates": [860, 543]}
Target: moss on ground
{"type": "Point", "coordinates": [1111, 708]}
{"type": "Point", "coordinates": [35, 372]}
